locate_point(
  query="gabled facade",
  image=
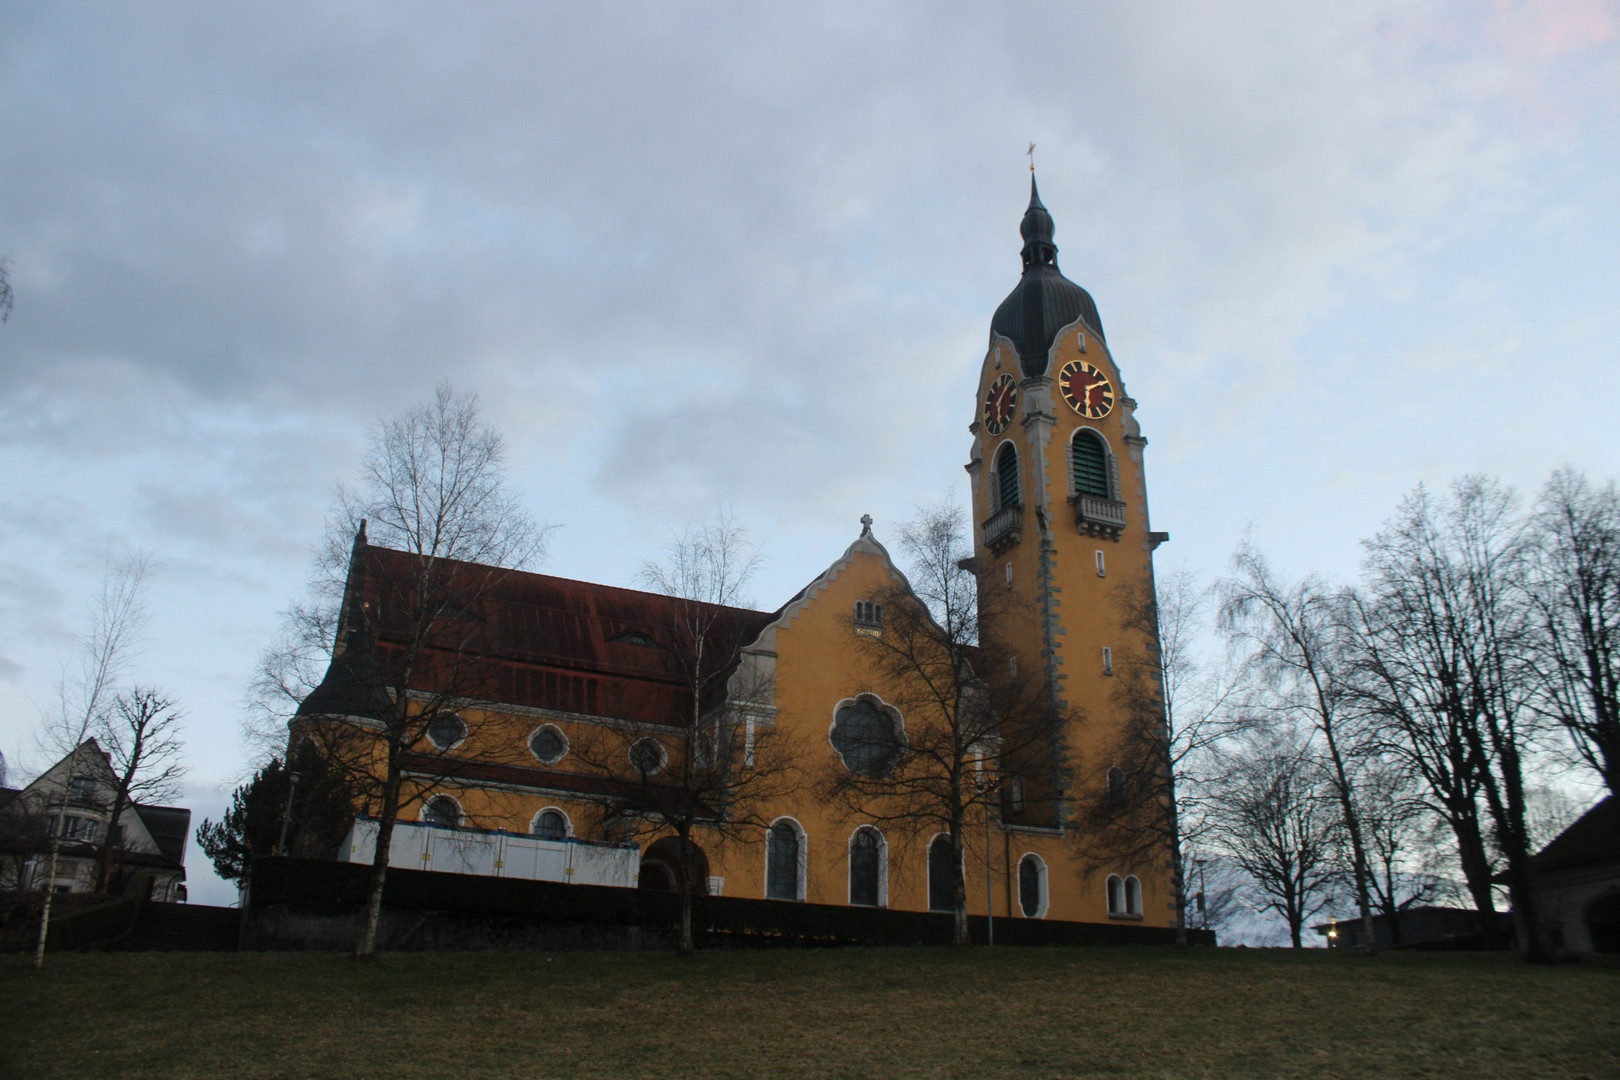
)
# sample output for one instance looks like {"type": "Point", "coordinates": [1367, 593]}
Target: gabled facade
{"type": "Point", "coordinates": [72, 802]}
{"type": "Point", "coordinates": [546, 664]}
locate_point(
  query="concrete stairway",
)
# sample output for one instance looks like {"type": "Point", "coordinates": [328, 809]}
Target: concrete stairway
{"type": "Point", "coordinates": [187, 927]}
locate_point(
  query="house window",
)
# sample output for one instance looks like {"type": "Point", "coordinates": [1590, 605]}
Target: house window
{"type": "Point", "coordinates": [446, 730]}
{"type": "Point", "coordinates": [1009, 576]}
{"type": "Point", "coordinates": [648, 757]}
{"type": "Point", "coordinates": [1007, 493]}
{"type": "Point", "coordinates": [867, 736]}
{"type": "Point", "coordinates": [1108, 660]}
{"type": "Point", "coordinates": [866, 867]}
{"type": "Point", "coordinates": [1089, 457]}
{"type": "Point", "coordinates": [784, 861]}
{"type": "Point", "coordinates": [443, 811]}
{"type": "Point", "coordinates": [943, 874]}
{"type": "Point", "coordinates": [550, 824]}
{"type": "Point", "coordinates": [548, 743]}
{"type": "Point", "coordinates": [73, 827]}
{"type": "Point", "coordinates": [1116, 895]}
{"type": "Point", "coordinates": [1032, 886]}
{"type": "Point", "coordinates": [1133, 896]}
{"type": "Point", "coordinates": [868, 615]}
{"type": "Point", "coordinates": [1102, 567]}
{"type": "Point", "coordinates": [1015, 794]}
{"type": "Point", "coordinates": [82, 791]}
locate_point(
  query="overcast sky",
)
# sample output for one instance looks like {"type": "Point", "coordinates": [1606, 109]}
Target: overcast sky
{"type": "Point", "coordinates": [694, 255]}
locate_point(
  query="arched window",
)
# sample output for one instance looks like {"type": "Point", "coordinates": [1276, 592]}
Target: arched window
{"type": "Point", "coordinates": [550, 824]}
{"type": "Point", "coordinates": [1116, 786]}
{"type": "Point", "coordinates": [446, 730]}
{"type": "Point", "coordinates": [1089, 456]}
{"type": "Point", "coordinates": [1007, 490]}
{"type": "Point", "coordinates": [443, 811]}
{"type": "Point", "coordinates": [943, 874]}
{"type": "Point", "coordinates": [784, 862]}
{"type": "Point", "coordinates": [866, 867]}
{"type": "Point", "coordinates": [1032, 886]}
{"type": "Point", "coordinates": [1116, 895]}
{"type": "Point", "coordinates": [1133, 896]}
{"type": "Point", "coordinates": [549, 744]}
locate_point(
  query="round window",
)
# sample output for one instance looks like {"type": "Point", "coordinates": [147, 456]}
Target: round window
{"type": "Point", "coordinates": [867, 736]}
{"type": "Point", "coordinates": [445, 730]}
{"type": "Point", "coordinates": [548, 744]}
{"type": "Point", "coordinates": [647, 756]}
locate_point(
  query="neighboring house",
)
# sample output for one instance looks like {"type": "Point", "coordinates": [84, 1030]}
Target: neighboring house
{"type": "Point", "coordinates": [1061, 528]}
{"type": "Point", "coordinates": [1576, 879]}
{"type": "Point", "coordinates": [73, 801]}
{"type": "Point", "coordinates": [1426, 927]}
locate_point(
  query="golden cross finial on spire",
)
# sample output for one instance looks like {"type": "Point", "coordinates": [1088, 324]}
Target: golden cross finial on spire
{"type": "Point", "coordinates": [1031, 153]}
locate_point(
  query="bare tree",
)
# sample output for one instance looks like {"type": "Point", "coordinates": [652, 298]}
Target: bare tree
{"type": "Point", "coordinates": [1293, 637]}
{"type": "Point", "coordinates": [1576, 594]}
{"type": "Point", "coordinates": [141, 736]}
{"type": "Point", "coordinates": [980, 737]}
{"type": "Point", "coordinates": [411, 625]}
{"type": "Point", "coordinates": [6, 294]}
{"type": "Point", "coordinates": [1447, 637]}
{"type": "Point", "coordinates": [86, 687]}
{"type": "Point", "coordinates": [713, 769]}
{"type": "Point", "coordinates": [1276, 819]}
{"type": "Point", "coordinates": [1178, 710]}
{"type": "Point", "coordinates": [1397, 826]}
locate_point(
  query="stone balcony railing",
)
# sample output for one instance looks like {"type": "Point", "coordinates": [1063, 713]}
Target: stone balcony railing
{"type": "Point", "coordinates": [1096, 516]}
{"type": "Point", "coordinates": [1003, 528]}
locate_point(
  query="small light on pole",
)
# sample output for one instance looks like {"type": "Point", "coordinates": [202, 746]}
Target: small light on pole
{"type": "Point", "coordinates": [286, 818]}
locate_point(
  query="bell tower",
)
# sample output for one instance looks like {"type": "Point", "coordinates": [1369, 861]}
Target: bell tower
{"type": "Point", "coordinates": [1061, 518]}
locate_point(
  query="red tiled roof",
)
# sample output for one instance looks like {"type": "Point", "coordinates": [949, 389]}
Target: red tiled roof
{"type": "Point", "coordinates": [555, 643]}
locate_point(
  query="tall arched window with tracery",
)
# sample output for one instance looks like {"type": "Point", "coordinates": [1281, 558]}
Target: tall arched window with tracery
{"type": "Point", "coordinates": [1008, 492]}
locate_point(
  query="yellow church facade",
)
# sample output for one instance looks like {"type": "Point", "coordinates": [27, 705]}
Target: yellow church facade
{"type": "Point", "coordinates": [589, 710]}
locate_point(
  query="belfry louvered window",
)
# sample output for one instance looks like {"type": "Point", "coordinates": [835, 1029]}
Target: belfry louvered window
{"type": "Point", "coordinates": [1090, 459]}
{"type": "Point", "coordinates": [1007, 492]}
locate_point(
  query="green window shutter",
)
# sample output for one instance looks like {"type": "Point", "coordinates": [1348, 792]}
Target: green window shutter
{"type": "Point", "coordinates": [1007, 475]}
{"type": "Point", "coordinates": [1090, 465]}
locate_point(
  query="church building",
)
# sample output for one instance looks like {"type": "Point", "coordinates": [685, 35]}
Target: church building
{"type": "Point", "coordinates": [851, 747]}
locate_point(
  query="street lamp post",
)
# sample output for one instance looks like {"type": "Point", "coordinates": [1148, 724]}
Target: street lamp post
{"type": "Point", "coordinates": [286, 817]}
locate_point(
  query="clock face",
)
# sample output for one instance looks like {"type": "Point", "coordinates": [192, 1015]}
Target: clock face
{"type": "Point", "coordinates": [999, 404]}
{"type": "Point", "coordinates": [1086, 389]}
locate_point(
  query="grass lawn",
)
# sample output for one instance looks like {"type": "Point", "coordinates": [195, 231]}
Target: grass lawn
{"type": "Point", "coordinates": [1116, 1012]}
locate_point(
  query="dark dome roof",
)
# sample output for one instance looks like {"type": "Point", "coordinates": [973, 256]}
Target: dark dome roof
{"type": "Point", "coordinates": [354, 684]}
{"type": "Point", "coordinates": [1044, 301]}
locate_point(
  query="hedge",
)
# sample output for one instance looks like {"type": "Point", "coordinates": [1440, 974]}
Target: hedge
{"type": "Point", "coordinates": [333, 888]}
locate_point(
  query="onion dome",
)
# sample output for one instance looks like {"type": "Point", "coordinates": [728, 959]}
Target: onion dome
{"type": "Point", "coordinates": [1044, 301]}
